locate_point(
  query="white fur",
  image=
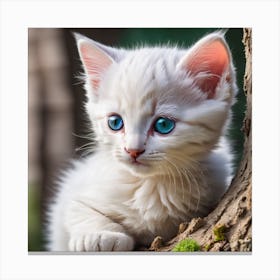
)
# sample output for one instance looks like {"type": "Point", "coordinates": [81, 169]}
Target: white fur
{"type": "Point", "coordinates": [107, 203]}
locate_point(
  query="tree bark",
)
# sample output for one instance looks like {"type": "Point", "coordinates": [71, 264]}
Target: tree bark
{"type": "Point", "coordinates": [229, 226]}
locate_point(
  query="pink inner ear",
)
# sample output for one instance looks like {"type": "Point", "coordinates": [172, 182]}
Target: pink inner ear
{"type": "Point", "coordinates": [95, 62]}
{"type": "Point", "coordinates": [212, 58]}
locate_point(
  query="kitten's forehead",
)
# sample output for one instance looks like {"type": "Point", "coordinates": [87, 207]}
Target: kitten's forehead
{"type": "Point", "coordinates": [145, 70]}
{"type": "Point", "coordinates": [147, 78]}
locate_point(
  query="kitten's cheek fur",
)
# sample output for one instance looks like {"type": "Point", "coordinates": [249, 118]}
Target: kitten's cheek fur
{"type": "Point", "coordinates": [101, 241]}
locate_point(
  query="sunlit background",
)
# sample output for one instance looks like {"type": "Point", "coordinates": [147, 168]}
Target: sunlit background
{"type": "Point", "coordinates": [56, 120]}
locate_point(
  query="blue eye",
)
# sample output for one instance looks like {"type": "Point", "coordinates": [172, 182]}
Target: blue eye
{"type": "Point", "coordinates": [164, 125]}
{"type": "Point", "coordinates": [115, 122]}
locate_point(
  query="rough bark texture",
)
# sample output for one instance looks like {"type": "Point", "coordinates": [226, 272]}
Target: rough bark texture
{"type": "Point", "coordinates": [229, 226]}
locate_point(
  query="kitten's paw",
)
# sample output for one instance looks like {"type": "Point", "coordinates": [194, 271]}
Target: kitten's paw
{"type": "Point", "coordinates": [101, 241]}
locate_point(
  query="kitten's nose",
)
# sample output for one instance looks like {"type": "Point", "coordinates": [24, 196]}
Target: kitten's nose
{"type": "Point", "coordinates": [134, 153]}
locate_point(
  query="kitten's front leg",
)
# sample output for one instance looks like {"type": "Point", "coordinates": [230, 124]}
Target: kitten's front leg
{"type": "Point", "coordinates": [90, 230]}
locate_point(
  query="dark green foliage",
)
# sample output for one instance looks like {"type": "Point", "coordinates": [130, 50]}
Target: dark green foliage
{"type": "Point", "coordinates": [35, 239]}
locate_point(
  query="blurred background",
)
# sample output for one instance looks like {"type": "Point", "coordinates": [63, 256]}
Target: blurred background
{"type": "Point", "coordinates": [57, 123]}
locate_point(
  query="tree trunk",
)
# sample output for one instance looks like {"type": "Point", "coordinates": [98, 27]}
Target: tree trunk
{"type": "Point", "coordinates": [229, 226]}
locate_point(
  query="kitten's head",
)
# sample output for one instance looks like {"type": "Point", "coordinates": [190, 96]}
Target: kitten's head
{"type": "Point", "coordinates": [157, 109]}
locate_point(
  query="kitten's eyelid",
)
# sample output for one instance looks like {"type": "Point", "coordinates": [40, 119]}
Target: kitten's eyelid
{"type": "Point", "coordinates": [168, 112]}
{"type": "Point", "coordinates": [113, 114]}
{"type": "Point", "coordinates": [166, 116]}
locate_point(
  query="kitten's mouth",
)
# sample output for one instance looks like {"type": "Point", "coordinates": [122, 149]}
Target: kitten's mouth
{"type": "Point", "coordinates": [136, 162]}
{"type": "Point", "coordinates": [139, 167]}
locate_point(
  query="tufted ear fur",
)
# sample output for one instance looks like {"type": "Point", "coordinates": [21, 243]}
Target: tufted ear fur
{"type": "Point", "coordinates": [207, 61]}
{"type": "Point", "coordinates": [95, 60]}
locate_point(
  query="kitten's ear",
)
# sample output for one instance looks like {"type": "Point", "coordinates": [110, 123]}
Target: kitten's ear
{"type": "Point", "coordinates": [95, 60]}
{"type": "Point", "coordinates": [207, 61]}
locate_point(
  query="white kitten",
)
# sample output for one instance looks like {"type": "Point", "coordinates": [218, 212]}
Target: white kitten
{"type": "Point", "coordinates": [159, 115]}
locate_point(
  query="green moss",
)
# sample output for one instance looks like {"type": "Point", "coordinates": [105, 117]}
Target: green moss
{"type": "Point", "coordinates": [186, 245]}
{"type": "Point", "coordinates": [207, 247]}
{"type": "Point", "coordinates": [219, 233]}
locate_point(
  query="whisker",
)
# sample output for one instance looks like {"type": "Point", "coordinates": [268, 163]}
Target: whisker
{"type": "Point", "coordinates": [90, 136]}
{"type": "Point", "coordinates": [187, 168]}
{"type": "Point", "coordinates": [84, 146]}
{"type": "Point", "coordinates": [194, 172]}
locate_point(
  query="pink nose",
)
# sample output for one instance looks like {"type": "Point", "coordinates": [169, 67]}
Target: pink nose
{"type": "Point", "coordinates": [134, 153]}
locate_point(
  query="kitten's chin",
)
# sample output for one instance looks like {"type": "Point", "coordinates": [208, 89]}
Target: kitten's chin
{"type": "Point", "coordinates": [139, 169]}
